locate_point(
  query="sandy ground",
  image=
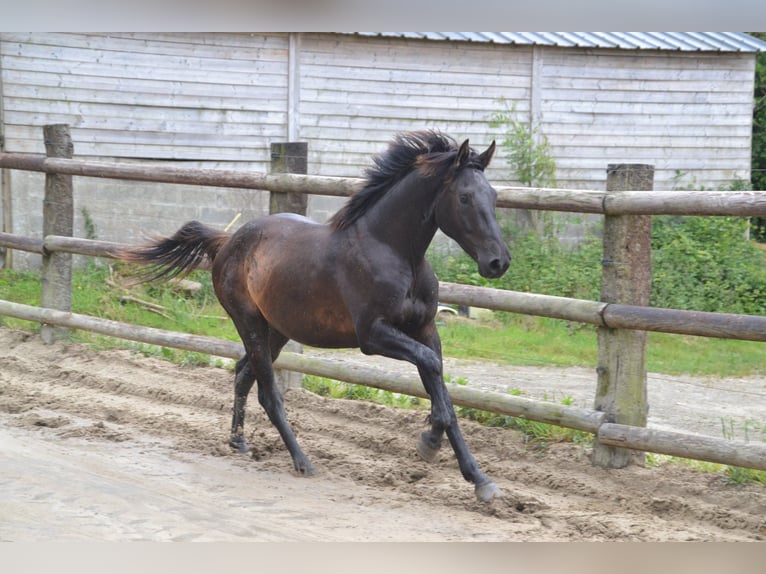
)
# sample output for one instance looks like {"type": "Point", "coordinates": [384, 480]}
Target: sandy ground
{"type": "Point", "coordinates": [113, 445]}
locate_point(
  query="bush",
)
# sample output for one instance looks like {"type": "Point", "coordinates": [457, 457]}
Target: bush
{"type": "Point", "coordinates": [540, 265]}
{"type": "Point", "coordinates": [698, 263]}
{"type": "Point", "coordinates": [707, 264]}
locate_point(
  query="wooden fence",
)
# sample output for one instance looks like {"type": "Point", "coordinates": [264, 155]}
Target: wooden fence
{"type": "Point", "coordinates": [618, 419]}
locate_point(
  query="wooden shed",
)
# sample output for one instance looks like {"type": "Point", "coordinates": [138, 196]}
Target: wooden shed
{"type": "Point", "coordinates": [680, 101]}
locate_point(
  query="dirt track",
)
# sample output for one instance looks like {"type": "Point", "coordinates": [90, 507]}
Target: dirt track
{"type": "Point", "coordinates": [116, 446]}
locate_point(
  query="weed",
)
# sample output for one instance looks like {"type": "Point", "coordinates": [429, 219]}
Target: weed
{"type": "Point", "coordinates": [739, 475]}
{"type": "Point", "coordinates": [342, 390]}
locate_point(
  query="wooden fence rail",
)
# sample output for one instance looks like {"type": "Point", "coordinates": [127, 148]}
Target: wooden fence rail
{"type": "Point", "coordinates": [737, 453]}
{"type": "Point", "coordinates": [611, 315]}
{"type": "Point", "coordinates": [742, 203]}
{"type": "Point", "coordinates": [623, 208]}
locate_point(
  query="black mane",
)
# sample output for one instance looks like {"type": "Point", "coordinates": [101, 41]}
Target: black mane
{"type": "Point", "coordinates": [430, 151]}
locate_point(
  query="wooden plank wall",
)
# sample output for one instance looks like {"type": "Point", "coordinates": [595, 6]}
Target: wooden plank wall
{"type": "Point", "coordinates": [203, 97]}
{"type": "Point", "coordinates": [685, 112]}
{"type": "Point", "coordinates": [201, 100]}
{"type": "Point", "coordinates": [357, 91]}
{"type": "Point", "coordinates": [220, 100]}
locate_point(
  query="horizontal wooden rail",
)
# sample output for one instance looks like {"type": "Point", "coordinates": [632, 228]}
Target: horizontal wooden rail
{"type": "Point", "coordinates": [552, 413]}
{"type": "Point", "coordinates": [698, 323]}
{"type": "Point", "coordinates": [282, 182]}
{"type": "Point", "coordinates": [680, 202]}
{"type": "Point", "coordinates": [736, 453]}
{"type": "Point", "coordinates": [550, 199]}
{"type": "Point", "coordinates": [740, 203]}
{"type": "Point", "coordinates": [551, 306]}
{"type": "Point", "coordinates": [89, 247]}
{"type": "Point", "coordinates": [612, 315]}
{"type": "Point", "coordinates": [21, 243]}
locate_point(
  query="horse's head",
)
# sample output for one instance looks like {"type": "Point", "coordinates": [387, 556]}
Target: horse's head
{"type": "Point", "coordinates": [465, 211]}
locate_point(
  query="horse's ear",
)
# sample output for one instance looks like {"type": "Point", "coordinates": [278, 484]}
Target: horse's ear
{"type": "Point", "coordinates": [463, 154]}
{"type": "Point", "coordinates": [486, 157]}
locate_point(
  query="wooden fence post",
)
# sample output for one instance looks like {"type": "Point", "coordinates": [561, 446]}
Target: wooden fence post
{"type": "Point", "coordinates": [58, 219]}
{"type": "Point", "coordinates": [626, 278]}
{"type": "Point", "coordinates": [289, 157]}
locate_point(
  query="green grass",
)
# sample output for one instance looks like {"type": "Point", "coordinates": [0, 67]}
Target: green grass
{"type": "Point", "coordinates": [92, 294]}
{"type": "Point", "coordinates": [509, 339]}
{"type": "Point", "coordinates": [520, 340]}
{"type": "Point", "coordinates": [342, 390]}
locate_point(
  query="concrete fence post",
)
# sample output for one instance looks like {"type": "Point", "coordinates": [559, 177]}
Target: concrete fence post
{"type": "Point", "coordinates": [58, 219]}
{"type": "Point", "coordinates": [626, 279]}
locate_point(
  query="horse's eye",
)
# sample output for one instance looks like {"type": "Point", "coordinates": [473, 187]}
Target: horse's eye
{"type": "Point", "coordinates": [464, 198]}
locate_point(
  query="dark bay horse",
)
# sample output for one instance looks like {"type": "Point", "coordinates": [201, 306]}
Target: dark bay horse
{"type": "Point", "coordinates": [359, 281]}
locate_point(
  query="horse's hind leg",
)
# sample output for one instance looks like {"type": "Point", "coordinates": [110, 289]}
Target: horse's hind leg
{"type": "Point", "coordinates": [263, 346]}
{"type": "Point", "coordinates": [244, 377]}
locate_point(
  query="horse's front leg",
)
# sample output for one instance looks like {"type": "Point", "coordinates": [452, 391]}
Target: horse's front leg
{"type": "Point", "coordinates": [431, 440]}
{"type": "Point", "coordinates": [384, 339]}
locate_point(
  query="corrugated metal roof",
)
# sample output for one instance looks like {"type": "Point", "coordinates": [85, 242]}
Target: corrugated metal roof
{"type": "Point", "coordinates": [680, 41]}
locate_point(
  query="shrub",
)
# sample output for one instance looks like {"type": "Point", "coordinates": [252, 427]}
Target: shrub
{"type": "Point", "coordinates": [698, 263]}
{"type": "Point", "coordinates": [707, 264]}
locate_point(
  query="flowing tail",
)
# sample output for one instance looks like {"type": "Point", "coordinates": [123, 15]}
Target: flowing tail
{"type": "Point", "coordinates": [168, 257]}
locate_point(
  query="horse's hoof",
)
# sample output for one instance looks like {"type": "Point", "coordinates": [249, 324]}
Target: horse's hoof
{"type": "Point", "coordinates": [488, 491]}
{"type": "Point", "coordinates": [239, 445]}
{"type": "Point", "coordinates": [426, 452]}
{"type": "Point", "coordinates": [304, 468]}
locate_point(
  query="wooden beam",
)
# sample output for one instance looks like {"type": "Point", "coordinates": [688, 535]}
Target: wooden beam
{"type": "Point", "coordinates": [552, 413]}
{"type": "Point", "coordinates": [527, 303]}
{"type": "Point", "coordinates": [31, 244]}
{"type": "Point", "coordinates": [698, 323]}
{"type": "Point", "coordinates": [285, 182]}
{"type": "Point", "coordinates": [735, 453]}
{"type": "Point", "coordinates": [289, 157]}
{"type": "Point", "coordinates": [738, 203]}
{"type": "Point", "coordinates": [88, 247]}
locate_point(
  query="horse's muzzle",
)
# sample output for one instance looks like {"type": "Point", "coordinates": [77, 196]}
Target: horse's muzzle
{"type": "Point", "coordinates": [495, 267]}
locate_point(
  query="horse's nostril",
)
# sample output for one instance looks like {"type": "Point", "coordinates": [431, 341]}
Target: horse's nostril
{"type": "Point", "coordinates": [499, 266]}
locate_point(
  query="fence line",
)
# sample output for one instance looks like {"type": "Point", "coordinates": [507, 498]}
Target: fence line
{"type": "Point", "coordinates": [612, 316]}
{"type": "Point", "coordinates": [600, 314]}
{"type": "Point", "coordinates": [572, 417]}
{"type": "Point", "coordinates": [737, 453]}
{"type": "Point", "coordinates": [741, 203]}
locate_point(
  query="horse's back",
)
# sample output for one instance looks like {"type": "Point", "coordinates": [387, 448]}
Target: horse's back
{"type": "Point", "coordinates": [286, 265]}
{"type": "Point", "coordinates": [294, 217]}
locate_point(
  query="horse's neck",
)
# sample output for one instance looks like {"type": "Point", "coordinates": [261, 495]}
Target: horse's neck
{"type": "Point", "coordinates": [404, 217]}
